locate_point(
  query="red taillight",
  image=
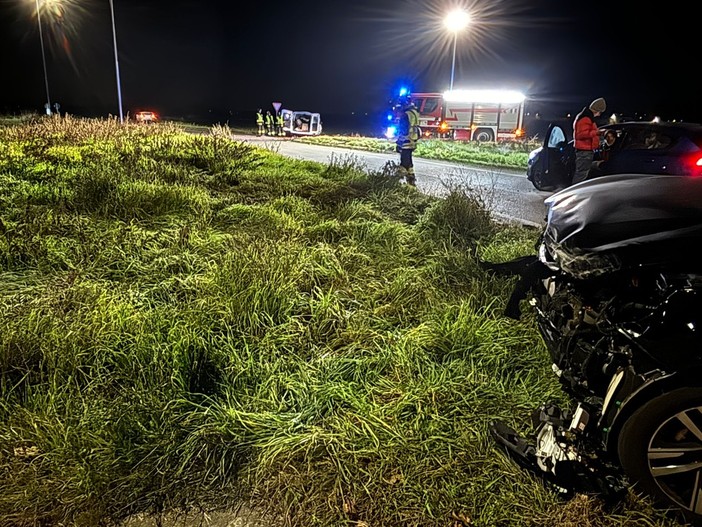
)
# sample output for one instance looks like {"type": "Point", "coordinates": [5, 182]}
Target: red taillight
{"type": "Point", "coordinates": [696, 165]}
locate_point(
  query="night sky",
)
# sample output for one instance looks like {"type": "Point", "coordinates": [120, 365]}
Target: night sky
{"type": "Point", "coordinates": [190, 57]}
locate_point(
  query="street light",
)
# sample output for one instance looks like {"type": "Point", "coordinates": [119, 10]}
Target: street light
{"type": "Point", "coordinates": [114, 41]}
{"type": "Point", "coordinates": [43, 60]}
{"type": "Point", "coordinates": [456, 21]}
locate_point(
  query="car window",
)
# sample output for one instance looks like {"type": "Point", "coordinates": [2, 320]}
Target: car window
{"type": "Point", "coordinates": [431, 105]}
{"type": "Point", "coordinates": [557, 136]}
{"type": "Point", "coordinates": [646, 139]}
{"type": "Point", "coordinates": [655, 140]}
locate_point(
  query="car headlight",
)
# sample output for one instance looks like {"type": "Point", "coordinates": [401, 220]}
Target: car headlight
{"type": "Point", "coordinates": [534, 153]}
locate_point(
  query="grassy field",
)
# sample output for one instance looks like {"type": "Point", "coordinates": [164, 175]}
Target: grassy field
{"type": "Point", "coordinates": [503, 155]}
{"type": "Point", "coordinates": [192, 323]}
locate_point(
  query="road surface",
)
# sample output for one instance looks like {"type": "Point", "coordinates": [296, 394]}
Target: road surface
{"type": "Point", "coordinates": [507, 193]}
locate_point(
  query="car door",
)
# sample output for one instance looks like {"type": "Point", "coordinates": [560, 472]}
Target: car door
{"type": "Point", "coordinates": [315, 124]}
{"type": "Point", "coordinates": [557, 156]}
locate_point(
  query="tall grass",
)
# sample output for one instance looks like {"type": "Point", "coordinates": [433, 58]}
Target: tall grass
{"type": "Point", "coordinates": [191, 323]}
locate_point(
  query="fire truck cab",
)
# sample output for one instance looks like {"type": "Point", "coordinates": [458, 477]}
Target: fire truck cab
{"type": "Point", "coordinates": [473, 115]}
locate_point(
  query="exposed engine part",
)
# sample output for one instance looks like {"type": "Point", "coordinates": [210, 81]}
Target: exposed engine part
{"type": "Point", "coordinates": [617, 294]}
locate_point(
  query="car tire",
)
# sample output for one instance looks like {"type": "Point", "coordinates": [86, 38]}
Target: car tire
{"type": "Point", "coordinates": [483, 135]}
{"type": "Point", "coordinates": [660, 450]}
{"type": "Point", "coordinates": [539, 181]}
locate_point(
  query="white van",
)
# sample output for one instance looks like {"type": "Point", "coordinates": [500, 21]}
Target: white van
{"type": "Point", "coordinates": [301, 123]}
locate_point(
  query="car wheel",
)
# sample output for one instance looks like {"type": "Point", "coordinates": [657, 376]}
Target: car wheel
{"type": "Point", "coordinates": [540, 181]}
{"type": "Point", "coordinates": [660, 449]}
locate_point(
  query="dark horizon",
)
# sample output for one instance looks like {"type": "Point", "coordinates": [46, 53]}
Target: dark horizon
{"type": "Point", "coordinates": [185, 58]}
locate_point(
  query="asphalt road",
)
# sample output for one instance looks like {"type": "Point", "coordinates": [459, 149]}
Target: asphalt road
{"type": "Point", "coordinates": [507, 193]}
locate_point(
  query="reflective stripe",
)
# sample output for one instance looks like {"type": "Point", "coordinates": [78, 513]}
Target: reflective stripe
{"type": "Point", "coordinates": [414, 131]}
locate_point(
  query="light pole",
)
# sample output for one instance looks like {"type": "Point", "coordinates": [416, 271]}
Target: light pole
{"type": "Point", "coordinates": [456, 21]}
{"type": "Point", "coordinates": [114, 41]}
{"type": "Point", "coordinates": [43, 60]}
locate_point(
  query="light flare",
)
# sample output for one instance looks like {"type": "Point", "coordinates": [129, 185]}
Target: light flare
{"type": "Point", "coordinates": [62, 20]}
{"type": "Point", "coordinates": [414, 35]}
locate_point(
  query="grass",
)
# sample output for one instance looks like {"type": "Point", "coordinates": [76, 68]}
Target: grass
{"type": "Point", "coordinates": [192, 323]}
{"type": "Point", "coordinates": [511, 155]}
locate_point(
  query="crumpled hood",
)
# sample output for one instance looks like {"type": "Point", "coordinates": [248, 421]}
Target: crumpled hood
{"type": "Point", "coordinates": [656, 218]}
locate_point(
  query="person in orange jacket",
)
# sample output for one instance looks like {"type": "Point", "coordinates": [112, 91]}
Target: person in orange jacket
{"type": "Point", "coordinates": [586, 138]}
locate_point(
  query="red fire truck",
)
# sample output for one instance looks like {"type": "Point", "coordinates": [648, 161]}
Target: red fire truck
{"type": "Point", "coordinates": [473, 115]}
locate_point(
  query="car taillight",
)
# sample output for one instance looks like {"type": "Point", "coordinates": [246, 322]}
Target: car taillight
{"type": "Point", "coordinates": [696, 165]}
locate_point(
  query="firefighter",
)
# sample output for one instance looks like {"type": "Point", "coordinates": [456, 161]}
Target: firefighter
{"type": "Point", "coordinates": [280, 124]}
{"type": "Point", "coordinates": [407, 137]}
{"type": "Point", "coordinates": [270, 129]}
{"type": "Point", "coordinates": [259, 121]}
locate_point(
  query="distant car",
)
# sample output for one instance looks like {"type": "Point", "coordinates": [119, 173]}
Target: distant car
{"type": "Point", "coordinates": [663, 148]}
{"type": "Point", "coordinates": [146, 117]}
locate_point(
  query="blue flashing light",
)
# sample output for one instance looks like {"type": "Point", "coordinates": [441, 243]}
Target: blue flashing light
{"type": "Point", "coordinates": [391, 132]}
{"type": "Point", "coordinates": [389, 117]}
{"type": "Point", "coordinates": [403, 92]}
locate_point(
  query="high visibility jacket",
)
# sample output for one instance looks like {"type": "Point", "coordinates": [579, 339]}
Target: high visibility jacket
{"type": "Point", "coordinates": [259, 118]}
{"type": "Point", "coordinates": [280, 121]}
{"type": "Point", "coordinates": [409, 131]}
{"type": "Point", "coordinates": [269, 119]}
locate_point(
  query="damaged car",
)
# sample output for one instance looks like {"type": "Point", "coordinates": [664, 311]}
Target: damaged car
{"type": "Point", "coordinates": [616, 286]}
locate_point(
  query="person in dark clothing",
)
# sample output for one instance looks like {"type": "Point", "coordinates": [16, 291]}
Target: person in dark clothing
{"type": "Point", "coordinates": [587, 138]}
{"type": "Point", "coordinates": [652, 141]}
{"type": "Point", "coordinates": [610, 137]}
{"type": "Point", "coordinates": [603, 154]}
{"type": "Point", "coordinates": [407, 137]}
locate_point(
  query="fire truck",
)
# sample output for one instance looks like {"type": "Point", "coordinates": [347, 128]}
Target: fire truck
{"type": "Point", "coordinates": [472, 115]}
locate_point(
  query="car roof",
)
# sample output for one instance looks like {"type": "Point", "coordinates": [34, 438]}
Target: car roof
{"type": "Point", "coordinates": [693, 130]}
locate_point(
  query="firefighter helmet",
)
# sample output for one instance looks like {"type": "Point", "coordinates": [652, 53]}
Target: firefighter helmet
{"type": "Point", "coordinates": [406, 101]}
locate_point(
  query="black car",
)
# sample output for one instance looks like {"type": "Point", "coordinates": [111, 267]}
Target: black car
{"type": "Point", "coordinates": [617, 294]}
{"type": "Point", "coordinates": [663, 148]}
